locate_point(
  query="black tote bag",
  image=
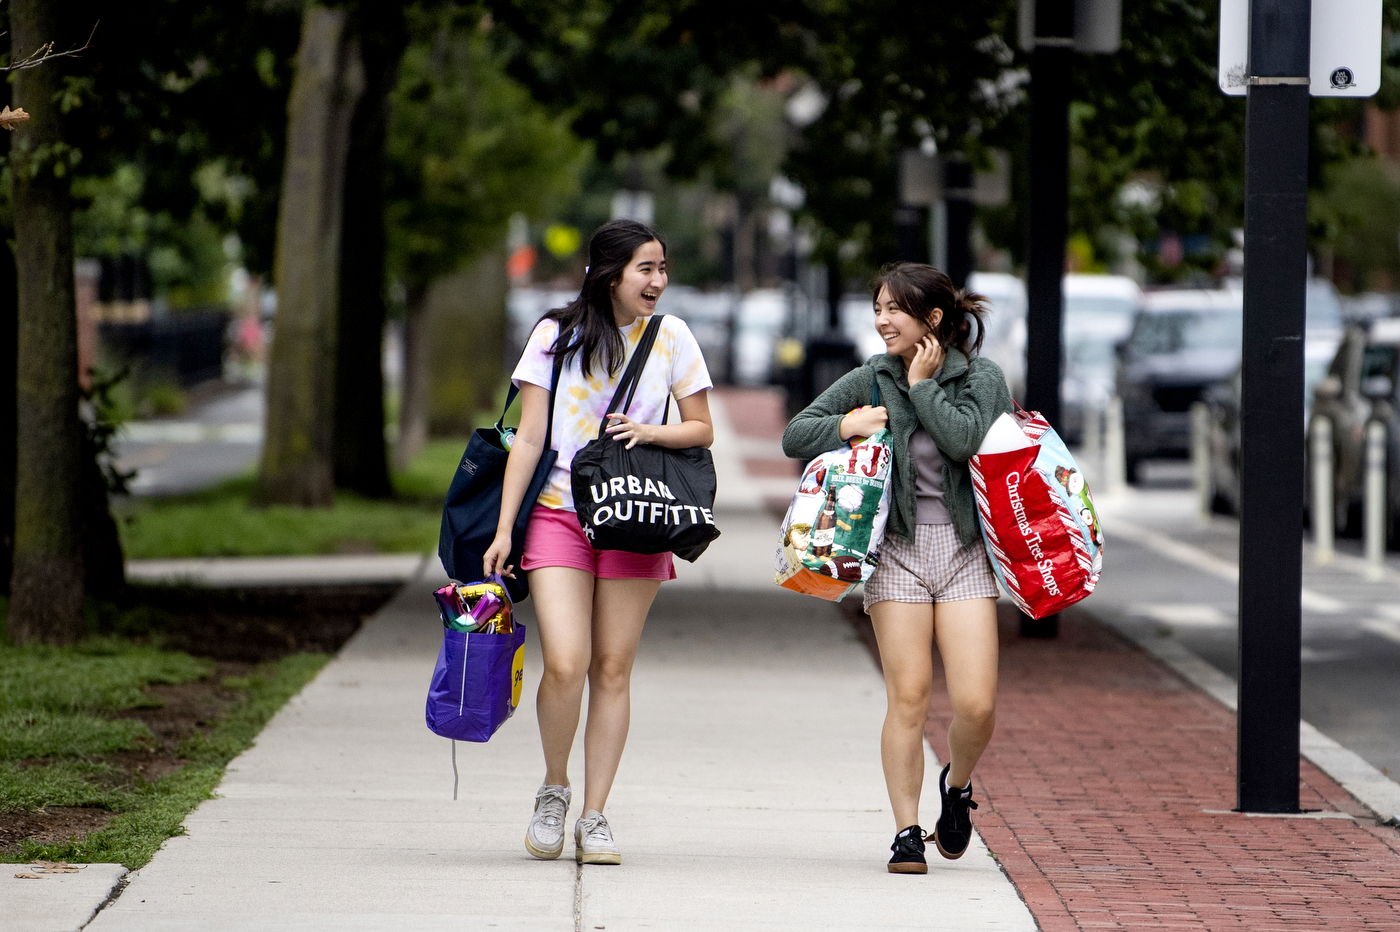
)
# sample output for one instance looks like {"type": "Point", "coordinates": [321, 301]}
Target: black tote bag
{"type": "Point", "coordinates": [648, 499]}
{"type": "Point", "coordinates": [473, 507]}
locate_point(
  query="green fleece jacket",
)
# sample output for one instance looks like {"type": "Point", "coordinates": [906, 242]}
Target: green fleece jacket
{"type": "Point", "coordinates": [956, 408]}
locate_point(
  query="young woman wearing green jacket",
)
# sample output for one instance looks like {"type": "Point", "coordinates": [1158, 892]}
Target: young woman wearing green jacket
{"type": "Point", "coordinates": [934, 579]}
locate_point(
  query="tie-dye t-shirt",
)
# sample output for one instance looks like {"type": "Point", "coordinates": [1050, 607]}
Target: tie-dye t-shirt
{"type": "Point", "coordinates": [675, 369]}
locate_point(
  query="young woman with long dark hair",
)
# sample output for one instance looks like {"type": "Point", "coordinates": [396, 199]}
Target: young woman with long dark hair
{"type": "Point", "coordinates": [934, 580]}
{"type": "Point", "coordinates": [592, 604]}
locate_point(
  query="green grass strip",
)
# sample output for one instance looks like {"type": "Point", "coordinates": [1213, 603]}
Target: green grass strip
{"type": "Point", "coordinates": [153, 812]}
{"type": "Point", "coordinates": [65, 783]}
{"type": "Point", "coordinates": [268, 690]}
{"type": "Point", "coordinates": [37, 733]}
{"type": "Point", "coordinates": [99, 674]}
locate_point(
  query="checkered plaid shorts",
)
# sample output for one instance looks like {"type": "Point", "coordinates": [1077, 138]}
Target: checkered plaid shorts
{"type": "Point", "coordinates": [934, 568]}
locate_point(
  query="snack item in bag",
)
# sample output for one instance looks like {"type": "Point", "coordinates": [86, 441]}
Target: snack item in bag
{"type": "Point", "coordinates": [832, 532]}
{"type": "Point", "coordinates": [1038, 519]}
{"type": "Point", "coordinates": [482, 607]}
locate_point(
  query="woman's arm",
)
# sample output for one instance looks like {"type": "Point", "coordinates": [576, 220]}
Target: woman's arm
{"type": "Point", "coordinates": [524, 456]}
{"type": "Point", "coordinates": [695, 429]}
{"type": "Point", "coordinates": [958, 427]}
{"type": "Point", "coordinates": [818, 428]}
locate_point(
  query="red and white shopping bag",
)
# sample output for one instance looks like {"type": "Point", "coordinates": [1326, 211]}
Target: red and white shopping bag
{"type": "Point", "coordinates": [1038, 519]}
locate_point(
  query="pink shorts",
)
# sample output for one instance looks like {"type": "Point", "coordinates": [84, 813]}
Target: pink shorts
{"type": "Point", "coordinates": [555, 538]}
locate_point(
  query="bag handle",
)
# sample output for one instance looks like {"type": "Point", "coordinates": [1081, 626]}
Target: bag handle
{"type": "Point", "coordinates": [632, 377]}
{"type": "Point", "coordinates": [549, 424]}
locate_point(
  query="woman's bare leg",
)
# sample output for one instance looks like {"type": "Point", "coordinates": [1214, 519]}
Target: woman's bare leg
{"type": "Point", "coordinates": [904, 631]}
{"type": "Point", "coordinates": [620, 609]}
{"type": "Point", "coordinates": [967, 639]}
{"type": "Point", "coordinates": [564, 607]}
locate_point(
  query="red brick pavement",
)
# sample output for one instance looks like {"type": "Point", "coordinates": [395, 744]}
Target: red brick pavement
{"type": "Point", "coordinates": [1095, 795]}
{"type": "Point", "coordinates": [755, 412]}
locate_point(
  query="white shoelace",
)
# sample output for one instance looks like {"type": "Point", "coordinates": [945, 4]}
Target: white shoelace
{"type": "Point", "coordinates": [595, 829]}
{"type": "Point", "coordinates": [551, 803]}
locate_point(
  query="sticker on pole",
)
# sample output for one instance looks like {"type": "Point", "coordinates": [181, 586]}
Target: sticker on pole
{"type": "Point", "coordinates": [1345, 51]}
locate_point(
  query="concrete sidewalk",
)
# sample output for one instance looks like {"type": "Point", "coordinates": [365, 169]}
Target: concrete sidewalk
{"type": "Point", "coordinates": [750, 797]}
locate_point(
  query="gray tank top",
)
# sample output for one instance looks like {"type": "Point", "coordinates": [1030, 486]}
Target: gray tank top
{"type": "Point", "coordinates": [928, 485]}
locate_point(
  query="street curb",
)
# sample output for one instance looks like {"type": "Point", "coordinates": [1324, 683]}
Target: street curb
{"type": "Point", "coordinates": [1372, 788]}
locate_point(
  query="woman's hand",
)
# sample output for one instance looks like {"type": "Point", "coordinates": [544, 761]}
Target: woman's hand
{"type": "Point", "coordinates": [863, 422]}
{"type": "Point", "coordinates": [634, 432]}
{"type": "Point", "coordinates": [494, 560]}
{"type": "Point", "coordinates": [928, 359]}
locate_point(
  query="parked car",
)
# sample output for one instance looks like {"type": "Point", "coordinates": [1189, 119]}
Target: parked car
{"type": "Point", "coordinates": [1098, 315]}
{"type": "Point", "coordinates": [1359, 386]}
{"type": "Point", "coordinates": [1322, 338]}
{"type": "Point", "coordinates": [1182, 342]}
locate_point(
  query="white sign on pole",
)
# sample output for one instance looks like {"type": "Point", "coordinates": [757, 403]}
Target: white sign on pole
{"type": "Point", "coordinates": [1346, 48]}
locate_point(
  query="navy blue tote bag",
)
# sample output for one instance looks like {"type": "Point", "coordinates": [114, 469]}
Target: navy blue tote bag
{"type": "Point", "coordinates": [473, 506]}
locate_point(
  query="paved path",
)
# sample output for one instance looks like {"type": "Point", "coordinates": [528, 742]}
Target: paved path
{"type": "Point", "coordinates": [1107, 792]}
{"type": "Point", "coordinates": [326, 569]}
{"type": "Point", "coordinates": [220, 440]}
{"type": "Point", "coordinates": [750, 797]}
{"type": "Point", "coordinates": [1171, 574]}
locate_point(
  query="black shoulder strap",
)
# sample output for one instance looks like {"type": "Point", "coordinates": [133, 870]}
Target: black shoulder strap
{"type": "Point", "coordinates": [633, 375]}
{"type": "Point", "coordinates": [553, 386]}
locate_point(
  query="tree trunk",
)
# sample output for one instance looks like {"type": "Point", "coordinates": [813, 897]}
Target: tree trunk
{"type": "Point", "coordinates": [47, 583]}
{"type": "Point", "coordinates": [413, 403]}
{"type": "Point", "coordinates": [104, 569]}
{"type": "Point", "coordinates": [9, 358]}
{"type": "Point", "coordinates": [361, 463]}
{"type": "Point", "coordinates": [297, 462]}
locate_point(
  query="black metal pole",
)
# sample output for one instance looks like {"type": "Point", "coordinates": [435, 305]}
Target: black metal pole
{"type": "Point", "coordinates": [1049, 222]}
{"type": "Point", "coordinates": [1271, 405]}
{"type": "Point", "coordinates": [957, 189]}
{"type": "Point", "coordinates": [909, 226]}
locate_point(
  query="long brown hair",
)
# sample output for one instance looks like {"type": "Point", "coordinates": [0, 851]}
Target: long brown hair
{"type": "Point", "coordinates": [918, 289]}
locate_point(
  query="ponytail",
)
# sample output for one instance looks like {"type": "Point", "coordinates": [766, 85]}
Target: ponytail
{"type": "Point", "coordinates": [920, 289]}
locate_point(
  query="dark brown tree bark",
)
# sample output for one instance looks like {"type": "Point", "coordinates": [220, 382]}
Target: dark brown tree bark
{"type": "Point", "coordinates": [361, 461]}
{"type": "Point", "coordinates": [9, 358]}
{"type": "Point", "coordinates": [47, 582]}
{"type": "Point", "coordinates": [298, 459]}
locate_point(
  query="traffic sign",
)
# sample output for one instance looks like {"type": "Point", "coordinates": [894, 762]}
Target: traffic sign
{"type": "Point", "coordinates": [1346, 48]}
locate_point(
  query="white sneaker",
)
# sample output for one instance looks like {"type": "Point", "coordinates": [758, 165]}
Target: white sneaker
{"type": "Point", "coordinates": [593, 841]}
{"type": "Point", "coordinates": [545, 836]}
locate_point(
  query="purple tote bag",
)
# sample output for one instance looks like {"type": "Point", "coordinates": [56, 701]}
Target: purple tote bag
{"type": "Point", "coordinates": [476, 684]}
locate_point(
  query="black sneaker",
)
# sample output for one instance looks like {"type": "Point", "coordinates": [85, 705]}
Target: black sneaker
{"type": "Point", "coordinates": [953, 830]}
{"type": "Point", "coordinates": [908, 851]}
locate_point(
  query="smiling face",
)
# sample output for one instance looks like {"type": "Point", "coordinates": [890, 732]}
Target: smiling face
{"type": "Point", "coordinates": [900, 331]}
{"type": "Point", "coordinates": [637, 290]}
